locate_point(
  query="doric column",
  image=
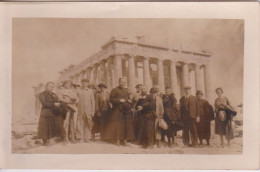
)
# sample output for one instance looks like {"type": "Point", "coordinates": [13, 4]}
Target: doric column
{"type": "Point", "coordinates": [111, 69]}
{"type": "Point", "coordinates": [88, 73]}
{"type": "Point", "coordinates": [173, 75]}
{"type": "Point", "coordinates": [131, 72]}
{"type": "Point", "coordinates": [185, 75]}
{"type": "Point", "coordinates": [207, 81]}
{"type": "Point", "coordinates": [160, 75]}
{"type": "Point", "coordinates": [82, 75]}
{"type": "Point", "coordinates": [94, 74]}
{"type": "Point", "coordinates": [107, 75]}
{"type": "Point", "coordinates": [198, 80]}
{"type": "Point", "coordinates": [146, 75]}
{"type": "Point", "coordinates": [75, 78]}
{"type": "Point", "coordinates": [118, 68]}
{"type": "Point", "coordinates": [102, 72]}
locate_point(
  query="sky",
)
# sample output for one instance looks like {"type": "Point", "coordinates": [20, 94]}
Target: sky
{"type": "Point", "coordinates": [44, 46]}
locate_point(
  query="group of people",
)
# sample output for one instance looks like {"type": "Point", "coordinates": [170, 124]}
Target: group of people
{"type": "Point", "coordinates": [76, 114]}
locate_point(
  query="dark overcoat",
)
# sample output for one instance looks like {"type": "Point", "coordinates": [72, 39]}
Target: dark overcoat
{"type": "Point", "coordinates": [206, 114]}
{"type": "Point", "coordinates": [116, 125]}
{"type": "Point", "coordinates": [47, 124]}
{"type": "Point", "coordinates": [188, 108]}
{"type": "Point", "coordinates": [171, 115]}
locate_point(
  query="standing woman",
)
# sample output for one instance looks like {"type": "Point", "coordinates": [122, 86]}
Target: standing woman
{"type": "Point", "coordinates": [47, 127]}
{"type": "Point", "coordinates": [224, 112]}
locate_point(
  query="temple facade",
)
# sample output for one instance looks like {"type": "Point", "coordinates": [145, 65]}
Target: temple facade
{"type": "Point", "coordinates": [146, 64]}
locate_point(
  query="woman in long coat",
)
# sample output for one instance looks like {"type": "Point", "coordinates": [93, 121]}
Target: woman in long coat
{"type": "Point", "coordinates": [206, 113]}
{"type": "Point", "coordinates": [171, 115]}
{"type": "Point", "coordinates": [50, 107]}
{"type": "Point", "coordinates": [152, 111]}
{"type": "Point", "coordinates": [224, 112]}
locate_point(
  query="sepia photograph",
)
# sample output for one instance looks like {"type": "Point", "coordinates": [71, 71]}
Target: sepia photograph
{"type": "Point", "coordinates": [127, 86]}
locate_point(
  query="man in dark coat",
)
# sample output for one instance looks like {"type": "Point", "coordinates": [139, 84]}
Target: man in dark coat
{"type": "Point", "coordinates": [206, 114]}
{"type": "Point", "coordinates": [190, 116]}
{"type": "Point", "coordinates": [116, 127]}
{"type": "Point", "coordinates": [147, 107]}
{"type": "Point", "coordinates": [137, 120]}
{"type": "Point", "coordinates": [140, 116]}
{"type": "Point", "coordinates": [171, 115]}
{"type": "Point", "coordinates": [102, 108]}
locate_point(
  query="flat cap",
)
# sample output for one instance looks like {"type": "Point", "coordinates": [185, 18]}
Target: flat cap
{"type": "Point", "coordinates": [187, 87]}
{"type": "Point", "coordinates": [67, 81]}
{"type": "Point", "coordinates": [153, 90]}
{"type": "Point", "coordinates": [84, 80]}
{"type": "Point", "coordinates": [199, 92]}
{"type": "Point", "coordinates": [138, 85]}
{"type": "Point", "coordinates": [102, 85]}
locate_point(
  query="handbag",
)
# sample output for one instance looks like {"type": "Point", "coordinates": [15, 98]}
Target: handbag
{"type": "Point", "coordinates": [162, 124]}
{"type": "Point", "coordinates": [222, 115]}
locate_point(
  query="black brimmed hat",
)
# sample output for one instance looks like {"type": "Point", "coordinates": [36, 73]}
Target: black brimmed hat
{"type": "Point", "coordinates": [199, 92]}
{"type": "Point", "coordinates": [153, 90]}
{"type": "Point", "coordinates": [84, 80]}
{"type": "Point", "coordinates": [102, 85]}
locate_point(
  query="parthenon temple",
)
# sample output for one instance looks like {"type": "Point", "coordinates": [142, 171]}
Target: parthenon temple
{"type": "Point", "coordinates": [143, 63]}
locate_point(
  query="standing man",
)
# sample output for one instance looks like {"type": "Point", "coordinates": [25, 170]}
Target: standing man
{"type": "Point", "coordinates": [140, 116]}
{"type": "Point", "coordinates": [86, 109]}
{"type": "Point", "coordinates": [190, 116]}
{"type": "Point", "coordinates": [116, 126]}
{"type": "Point", "coordinates": [67, 94]}
{"type": "Point", "coordinates": [206, 113]}
{"type": "Point", "coordinates": [137, 119]}
{"type": "Point", "coordinates": [170, 114]}
{"type": "Point", "coordinates": [102, 108]}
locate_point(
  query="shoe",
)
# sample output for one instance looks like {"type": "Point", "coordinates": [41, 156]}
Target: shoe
{"type": "Point", "coordinates": [73, 142]}
{"type": "Point", "coordinates": [158, 144]}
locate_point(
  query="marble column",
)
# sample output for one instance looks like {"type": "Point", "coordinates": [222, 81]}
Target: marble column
{"type": "Point", "coordinates": [146, 75]}
{"type": "Point", "coordinates": [94, 74]}
{"type": "Point", "coordinates": [102, 72]}
{"type": "Point", "coordinates": [174, 83]}
{"type": "Point", "coordinates": [198, 80]}
{"type": "Point", "coordinates": [185, 75]}
{"type": "Point", "coordinates": [88, 73]}
{"type": "Point", "coordinates": [78, 79]}
{"type": "Point", "coordinates": [82, 75]}
{"type": "Point", "coordinates": [160, 75]}
{"type": "Point", "coordinates": [207, 81]}
{"type": "Point", "coordinates": [107, 75]}
{"type": "Point", "coordinates": [75, 78]}
{"type": "Point", "coordinates": [118, 68]}
{"type": "Point", "coordinates": [110, 66]}
{"type": "Point", "coordinates": [131, 73]}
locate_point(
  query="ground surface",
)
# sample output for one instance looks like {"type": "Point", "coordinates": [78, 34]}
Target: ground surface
{"type": "Point", "coordinates": [22, 142]}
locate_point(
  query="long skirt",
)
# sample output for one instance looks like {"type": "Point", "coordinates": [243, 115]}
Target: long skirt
{"type": "Point", "coordinates": [129, 127]}
{"type": "Point", "coordinates": [115, 129]}
{"type": "Point", "coordinates": [47, 127]}
{"type": "Point", "coordinates": [203, 130]}
{"type": "Point", "coordinates": [172, 129]}
{"type": "Point", "coordinates": [148, 130]}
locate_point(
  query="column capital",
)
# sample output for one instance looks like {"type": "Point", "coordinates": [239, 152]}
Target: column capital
{"type": "Point", "coordinates": [173, 60]}
{"type": "Point", "coordinates": [146, 58]}
{"type": "Point", "coordinates": [160, 60]}
{"type": "Point", "coordinates": [103, 62]}
{"type": "Point", "coordinates": [83, 71]}
{"type": "Point", "coordinates": [76, 74]}
{"type": "Point", "coordinates": [95, 65]}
